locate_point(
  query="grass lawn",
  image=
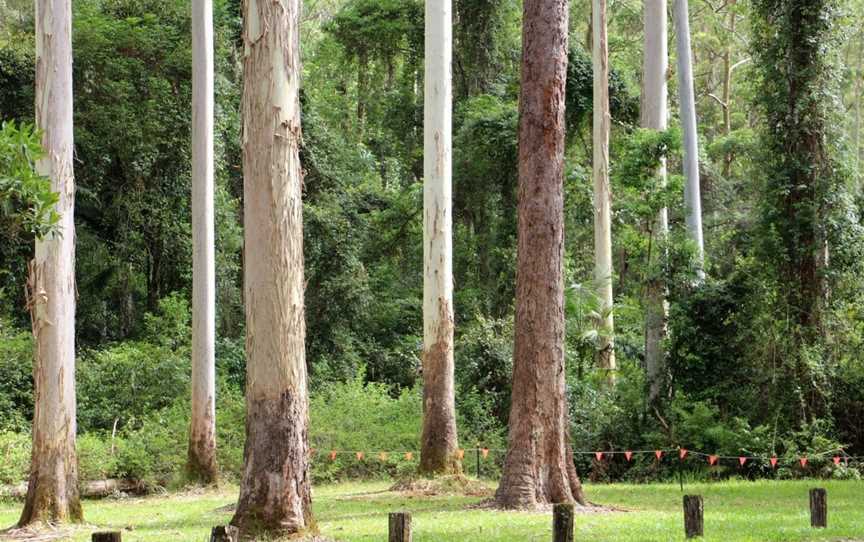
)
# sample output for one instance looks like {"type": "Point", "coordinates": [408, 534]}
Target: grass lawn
{"type": "Point", "coordinates": [357, 512]}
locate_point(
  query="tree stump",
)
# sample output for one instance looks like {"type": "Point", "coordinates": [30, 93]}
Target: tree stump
{"type": "Point", "coordinates": [562, 523]}
{"type": "Point", "coordinates": [818, 508]}
{"type": "Point", "coordinates": [224, 533]}
{"type": "Point", "coordinates": [106, 537]}
{"type": "Point", "coordinates": [400, 527]}
{"type": "Point", "coordinates": [693, 520]}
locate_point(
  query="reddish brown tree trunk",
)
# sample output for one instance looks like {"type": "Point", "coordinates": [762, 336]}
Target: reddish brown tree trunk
{"type": "Point", "coordinates": [275, 495]}
{"type": "Point", "coordinates": [539, 466]}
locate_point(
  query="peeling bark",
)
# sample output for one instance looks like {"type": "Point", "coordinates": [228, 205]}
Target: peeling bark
{"type": "Point", "coordinates": [52, 492]}
{"type": "Point", "coordinates": [538, 468]}
{"type": "Point", "coordinates": [275, 495]}
{"type": "Point", "coordinates": [439, 444]}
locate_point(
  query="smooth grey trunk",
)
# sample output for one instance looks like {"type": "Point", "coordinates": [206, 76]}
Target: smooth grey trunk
{"type": "Point", "coordinates": [602, 191]}
{"type": "Point", "coordinates": [692, 195]}
{"type": "Point", "coordinates": [275, 494]}
{"type": "Point", "coordinates": [439, 445]}
{"type": "Point", "coordinates": [201, 464]}
{"type": "Point", "coordinates": [655, 117]}
{"type": "Point", "coordinates": [52, 491]}
{"type": "Point", "coordinates": [859, 78]}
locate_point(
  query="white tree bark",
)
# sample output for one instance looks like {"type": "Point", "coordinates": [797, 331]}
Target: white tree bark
{"type": "Point", "coordinates": [202, 432]}
{"type": "Point", "coordinates": [52, 493]}
{"type": "Point", "coordinates": [692, 195]}
{"type": "Point", "coordinates": [655, 117]}
{"type": "Point", "coordinates": [602, 189]}
{"type": "Point", "coordinates": [439, 439]}
{"type": "Point", "coordinates": [275, 492]}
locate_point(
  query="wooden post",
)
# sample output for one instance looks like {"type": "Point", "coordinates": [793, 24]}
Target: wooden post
{"type": "Point", "coordinates": [818, 508]}
{"type": "Point", "coordinates": [693, 521]}
{"type": "Point", "coordinates": [106, 537]}
{"type": "Point", "coordinates": [224, 533]}
{"type": "Point", "coordinates": [478, 463]}
{"type": "Point", "coordinates": [400, 527]}
{"type": "Point", "coordinates": [562, 523]}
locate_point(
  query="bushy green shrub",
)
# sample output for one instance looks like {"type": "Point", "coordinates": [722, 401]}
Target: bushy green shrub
{"type": "Point", "coordinates": [356, 416]}
{"type": "Point", "coordinates": [14, 457]}
{"type": "Point", "coordinates": [16, 378]}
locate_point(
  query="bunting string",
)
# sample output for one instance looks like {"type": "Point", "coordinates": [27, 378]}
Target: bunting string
{"type": "Point", "coordinates": [837, 456]}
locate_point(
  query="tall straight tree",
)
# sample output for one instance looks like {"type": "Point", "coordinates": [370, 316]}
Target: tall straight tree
{"type": "Point", "coordinates": [538, 468]}
{"type": "Point", "coordinates": [275, 494]}
{"type": "Point", "coordinates": [602, 190]}
{"type": "Point", "coordinates": [439, 441]}
{"type": "Point", "coordinates": [655, 117]}
{"type": "Point", "coordinates": [52, 492]}
{"type": "Point", "coordinates": [687, 100]}
{"type": "Point", "coordinates": [202, 432]}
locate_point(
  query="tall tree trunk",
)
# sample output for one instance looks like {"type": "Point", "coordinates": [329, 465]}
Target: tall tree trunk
{"type": "Point", "coordinates": [859, 78]}
{"type": "Point", "coordinates": [438, 442]}
{"type": "Point", "coordinates": [692, 195]}
{"type": "Point", "coordinates": [539, 465]}
{"type": "Point", "coordinates": [52, 492]}
{"type": "Point", "coordinates": [602, 191]}
{"type": "Point", "coordinates": [727, 89]}
{"type": "Point", "coordinates": [202, 432]}
{"type": "Point", "coordinates": [655, 117]}
{"type": "Point", "coordinates": [275, 496]}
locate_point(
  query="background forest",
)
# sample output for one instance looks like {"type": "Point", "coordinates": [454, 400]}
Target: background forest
{"type": "Point", "coordinates": [758, 363]}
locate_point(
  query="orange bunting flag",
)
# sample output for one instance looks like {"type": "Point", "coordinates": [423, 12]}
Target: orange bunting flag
{"type": "Point", "coordinates": [836, 459]}
{"type": "Point", "coordinates": [658, 454]}
{"type": "Point", "coordinates": [332, 455]}
{"type": "Point", "coordinates": [382, 456]}
{"type": "Point", "coordinates": [628, 454]}
{"type": "Point", "coordinates": [460, 453]}
{"type": "Point", "coordinates": [742, 460]}
{"type": "Point", "coordinates": [774, 462]}
{"type": "Point", "coordinates": [359, 456]}
{"type": "Point", "coordinates": [599, 456]}
{"type": "Point", "coordinates": [712, 460]}
{"type": "Point", "coordinates": [485, 452]}
{"type": "Point", "coordinates": [409, 456]}
{"type": "Point", "coordinates": [682, 453]}
{"type": "Point", "coordinates": [803, 462]}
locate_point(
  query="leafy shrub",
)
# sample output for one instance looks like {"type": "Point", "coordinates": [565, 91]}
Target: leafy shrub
{"type": "Point", "coordinates": [356, 416]}
{"type": "Point", "coordinates": [14, 457]}
{"type": "Point", "coordinates": [128, 381]}
{"type": "Point", "coordinates": [16, 378]}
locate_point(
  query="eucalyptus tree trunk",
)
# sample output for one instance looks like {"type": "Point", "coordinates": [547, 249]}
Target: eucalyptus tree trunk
{"type": "Point", "coordinates": [692, 196]}
{"type": "Point", "coordinates": [52, 491]}
{"type": "Point", "coordinates": [859, 77]}
{"type": "Point", "coordinates": [275, 495]}
{"type": "Point", "coordinates": [439, 445]}
{"type": "Point", "coordinates": [538, 468]}
{"type": "Point", "coordinates": [602, 191]}
{"type": "Point", "coordinates": [201, 464]}
{"type": "Point", "coordinates": [727, 89]}
{"type": "Point", "coordinates": [655, 117]}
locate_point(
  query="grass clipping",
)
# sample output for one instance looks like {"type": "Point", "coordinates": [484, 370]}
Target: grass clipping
{"type": "Point", "coordinates": [454, 484]}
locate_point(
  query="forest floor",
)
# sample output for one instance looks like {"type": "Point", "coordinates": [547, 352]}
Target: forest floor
{"type": "Point", "coordinates": [357, 512]}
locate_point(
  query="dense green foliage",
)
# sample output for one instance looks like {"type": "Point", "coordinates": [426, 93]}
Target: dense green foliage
{"type": "Point", "coordinates": [765, 356]}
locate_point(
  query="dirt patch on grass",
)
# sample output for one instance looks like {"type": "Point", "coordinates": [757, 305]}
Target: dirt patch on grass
{"type": "Point", "coordinates": [590, 508]}
{"type": "Point", "coordinates": [37, 534]}
{"type": "Point", "coordinates": [443, 485]}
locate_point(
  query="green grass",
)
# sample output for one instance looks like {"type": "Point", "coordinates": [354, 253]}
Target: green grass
{"type": "Point", "coordinates": [357, 512]}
